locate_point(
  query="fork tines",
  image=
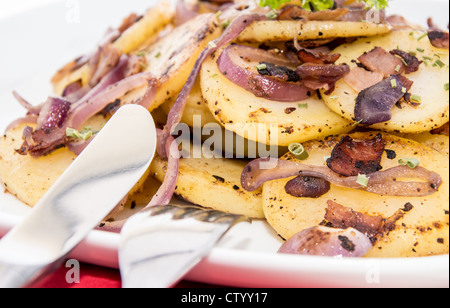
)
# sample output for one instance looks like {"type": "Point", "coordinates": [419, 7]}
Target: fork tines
{"type": "Point", "coordinates": [202, 214]}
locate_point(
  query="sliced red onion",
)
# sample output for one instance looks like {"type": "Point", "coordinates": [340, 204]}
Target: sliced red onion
{"type": "Point", "coordinates": [233, 65]}
{"type": "Point", "coordinates": [88, 108]}
{"type": "Point", "coordinates": [31, 110]}
{"type": "Point", "coordinates": [29, 119]}
{"type": "Point", "coordinates": [232, 32]}
{"type": "Point", "coordinates": [53, 113]}
{"type": "Point", "coordinates": [44, 141]}
{"type": "Point", "coordinates": [374, 104]}
{"type": "Point", "coordinates": [165, 193]}
{"type": "Point", "coordinates": [109, 58]}
{"type": "Point", "coordinates": [184, 12]}
{"type": "Point", "coordinates": [381, 182]}
{"type": "Point", "coordinates": [72, 88]}
{"type": "Point", "coordinates": [114, 76]}
{"type": "Point", "coordinates": [328, 242]}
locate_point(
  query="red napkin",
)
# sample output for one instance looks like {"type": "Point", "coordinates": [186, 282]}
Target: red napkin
{"type": "Point", "coordinates": [91, 276]}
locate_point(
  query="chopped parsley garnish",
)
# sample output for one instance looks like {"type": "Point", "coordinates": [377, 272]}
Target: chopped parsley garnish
{"type": "Point", "coordinates": [410, 162]}
{"type": "Point", "coordinates": [321, 5]}
{"type": "Point", "coordinates": [298, 151]}
{"type": "Point", "coordinates": [362, 180]}
{"type": "Point", "coordinates": [85, 134]}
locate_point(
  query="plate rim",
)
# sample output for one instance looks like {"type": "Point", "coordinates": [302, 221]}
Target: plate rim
{"type": "Point", "coordinates": [218, 257]}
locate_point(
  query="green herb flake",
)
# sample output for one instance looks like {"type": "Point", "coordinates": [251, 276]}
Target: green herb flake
{"type": "Point", "coordinates": [439, 63]}
{"type": "Point", "coordinates": [225, 24]}
{"type": "Point", "coordinates": [321, 5]}
{"type": "Point", "coordinates": [85, 134]}
{"type": "Point", "coordinates": [446, 86]}
{"type": "Point", "coordinates": [272, 15]}
{"type": "Point", "coordinates": [298, 151]}
{"type": "Point", "coordinates": [394, 83]}
{"type": "Point", "coordinates": [362, 180]}
{"type": "Point", "coordinates": [303, 106]}
{"type": "Point", "coordinates": [410, 162]}
{"type": "Point", "coordinates": [422, 36]}
{"type": "Point", "coordinates": [357, 123]}
{"type": "Point", "coordinates": [261, 67]}
{"type": "Point", "coordinates": [416, 98]}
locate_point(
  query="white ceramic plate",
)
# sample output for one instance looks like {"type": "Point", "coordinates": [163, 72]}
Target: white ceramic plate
{"type": "Point", "coordinates": [37, 41]}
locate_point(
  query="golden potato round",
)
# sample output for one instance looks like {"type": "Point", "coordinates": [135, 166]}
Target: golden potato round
{"type": "Point", "coordinates": [423, 231]}
{"type": "Point", "coordinates": [428, 84]}
{"type": "Point", "coordinates": [265, 121]}
{"type": "Point", "coordinates": [146, 29]}
{"type": "Point", "coordinates": [172, 57]}
{"type": "Point", "coordinates": [213, 183]}
{"type": "Point", "coordinates": [28, 178]}
{"type": "Point", "coordinates": [287, 30]}
{"type": "Point", "coordinates": [439, 143]}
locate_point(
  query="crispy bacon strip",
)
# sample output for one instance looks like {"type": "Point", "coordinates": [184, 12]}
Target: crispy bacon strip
{"type": "Point", "coordinates": [381, 61]}
{"type": "Point", "coordinates": [360, 79]}
{"type": "Point", "coordinates": [342, 217]}
{"type": "Point", "coordinates": [350, 157]}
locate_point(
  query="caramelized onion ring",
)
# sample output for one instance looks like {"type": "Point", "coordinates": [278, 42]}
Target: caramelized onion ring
{"type": "Point", "coordinates": [244, 74]}
{"type": "Point", "coordinates": [381, 182]}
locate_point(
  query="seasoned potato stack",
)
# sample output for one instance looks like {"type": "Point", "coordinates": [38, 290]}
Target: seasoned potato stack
{"type": "Point", "coordinates": [432, 108]}
{"type": "Point", "coordinates": [423, 231]}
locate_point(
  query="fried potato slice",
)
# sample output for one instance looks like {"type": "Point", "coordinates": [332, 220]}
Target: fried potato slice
{"type": "Point", "coordinates": [429, 83]}
{"type": "Point", "coordinates": [265, 121]}
{"type": "Point", "coordinates": [173, 56]}
{"type": "Point", "coordinates": [145, 30]}
{"type": "Point", "coordinates": [423, 231]}
{"type": "Point", "coordinates": [213, 183]}
{"type": "Point", "coordinates": [439, 143]}
{"type": "Point", "coordinates": [28, 178]}
{"type": "Point", "coordinates": [287, 30]}
{"type": "Point", "coordinates": [25, 177]}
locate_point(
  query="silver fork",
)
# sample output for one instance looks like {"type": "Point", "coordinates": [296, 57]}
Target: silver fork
{"type": "Point", "coordinates": [160, 245]}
